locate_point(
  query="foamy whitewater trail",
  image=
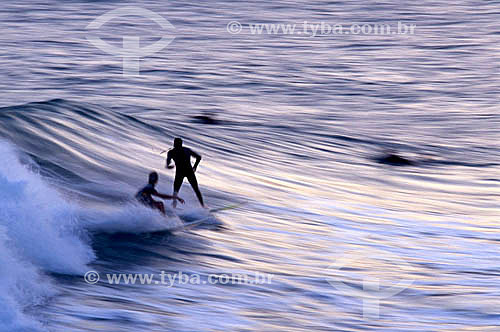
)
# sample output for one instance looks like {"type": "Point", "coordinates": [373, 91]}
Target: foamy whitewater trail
{"type": "Point", "coordinates": [42, 232]}
{"type": "Point", "coordinates": [38, 233]}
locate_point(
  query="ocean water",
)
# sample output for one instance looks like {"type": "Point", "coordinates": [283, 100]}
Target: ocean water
{"type": "Point", "coordinates": [296, 130]}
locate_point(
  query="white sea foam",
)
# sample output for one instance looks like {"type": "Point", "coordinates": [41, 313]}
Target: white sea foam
{"type": "Point", "coordinates": [129, 218]}
{"type": "Point", "coordinates": [39, 231]}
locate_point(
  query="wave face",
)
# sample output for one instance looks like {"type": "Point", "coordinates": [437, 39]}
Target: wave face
{"type": "Point", "coordinates": [48, 206]}
{"type": "Point", "coordinates": [69, 171]}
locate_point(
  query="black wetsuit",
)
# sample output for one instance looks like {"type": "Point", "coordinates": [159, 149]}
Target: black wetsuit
{"type": "Point", "coordinates": [145, 195]}
{"type": "Point", "coordinates": [184, 169]}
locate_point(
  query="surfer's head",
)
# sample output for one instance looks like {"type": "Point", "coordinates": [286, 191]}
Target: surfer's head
{"type": "Point", "coordinates": [153, 178]}
{"type": "Point", "coordinates": [178, 142]}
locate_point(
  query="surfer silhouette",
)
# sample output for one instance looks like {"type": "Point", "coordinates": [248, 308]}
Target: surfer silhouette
{"type": "Point", "coordinates": [184, 169]}
{"type": "Point", "coordinates": [145, 195]}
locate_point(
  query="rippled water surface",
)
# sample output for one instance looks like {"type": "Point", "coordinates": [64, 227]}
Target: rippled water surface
{"type": "Point", "coordinates": [298, 129]}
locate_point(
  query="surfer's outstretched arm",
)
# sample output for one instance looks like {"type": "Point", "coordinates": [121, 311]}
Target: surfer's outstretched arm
{"type": "Point", "coordinates": [165, 196]}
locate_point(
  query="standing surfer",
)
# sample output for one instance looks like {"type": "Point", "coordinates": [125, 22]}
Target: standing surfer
{"type": "Point", "coordinates": [182, 158]}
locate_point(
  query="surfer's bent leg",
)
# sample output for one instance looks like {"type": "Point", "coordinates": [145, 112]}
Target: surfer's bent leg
{"type": "Point", "coordinates": [159, 206]}
{"type": "Point", "coordinates": [194, 184]}
{"type": "Point", "coordinates": [177, 186]}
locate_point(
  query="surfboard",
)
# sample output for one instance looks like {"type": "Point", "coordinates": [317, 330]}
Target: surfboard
{"type": "Point", "coordinates": [189, 224]}
{"type": "Point", "coordinates": [194, 223]}
{"type": "Point", "coordinates": [227, 207]}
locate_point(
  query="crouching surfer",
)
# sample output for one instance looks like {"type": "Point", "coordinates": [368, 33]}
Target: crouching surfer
{"type": "Point", "coordinates": [145, 195]}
